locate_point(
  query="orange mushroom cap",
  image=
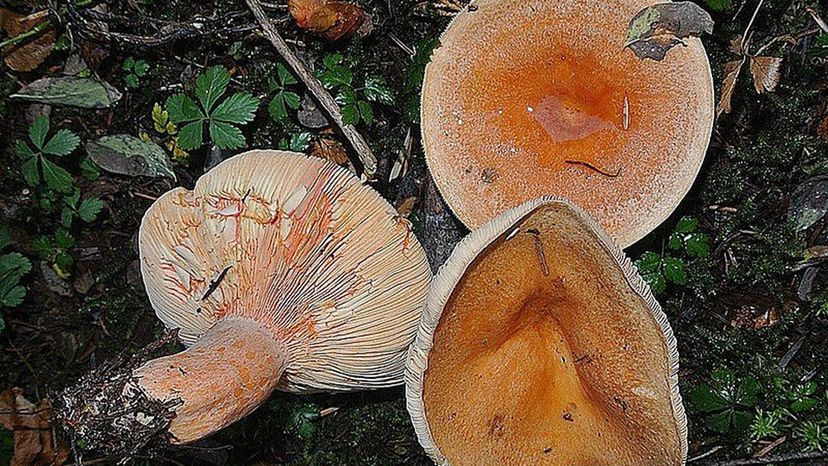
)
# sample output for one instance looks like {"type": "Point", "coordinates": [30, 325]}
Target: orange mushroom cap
{"type": "Point", "coordinates": [524, 99]}
{"type": "Point", "coordinates": [540, 344]}
{"type": "Point", "coordinates": [280, 271]}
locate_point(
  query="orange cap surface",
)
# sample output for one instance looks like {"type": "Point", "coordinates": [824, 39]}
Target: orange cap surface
{"type": "Point", "coordinates": [541, 345]}
{"type": "Point", "coordinates": [529, 98]}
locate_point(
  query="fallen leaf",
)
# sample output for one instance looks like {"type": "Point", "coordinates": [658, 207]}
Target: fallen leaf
{"type": "Point", "coordinates": [95, 52]}
{"type": "Point", "coordinates": [329, 149]}
{"type": "Point", "coordinates": [309, 114]}
{"type": "Point", "coordinates": [127, 155]}
{"type": "Point", "coordinates": [70, 90]}
{"type": "Point", "coordinates": [406, 206]}
{"type": "Point", "coordinates": [34, 444]}
{"type": "Point", "coordinates": [809, 203]}
{"type": "Point", "coordinates": [660, 27]}
{"type": "Point", "coordinates": [29, 54]}
{"type": "Point", "coordinates": [731, 70]}
{"type": "Point", "coordinates": [334, 20]}
{"type": "Point", "coordinates": [765, 71]}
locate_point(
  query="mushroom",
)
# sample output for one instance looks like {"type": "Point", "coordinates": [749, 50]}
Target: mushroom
{"type": "Point", "coordinates": [524, 99]}
{"type": "Point", "coordinates": [281, 271]}
{"type": "Point", "coordinates": [540, 344]}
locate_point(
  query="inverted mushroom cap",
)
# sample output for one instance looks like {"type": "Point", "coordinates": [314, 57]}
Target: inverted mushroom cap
{"type": "Point", "coordinates": [540, 344]}
{"type": "Point", "coordinates": [300, 246]}
{"type": "Point", "coordinates": [529, 98]}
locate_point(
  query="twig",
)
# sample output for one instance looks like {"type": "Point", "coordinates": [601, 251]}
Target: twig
{"type": "Point", "coordinates": [593, 167]}
{"type": "Point", "coordinates": [813, 455]}
{"type": "Point", "coordinates": [817, 19]}
{"type": "Point", "coordinates": [366, 156]}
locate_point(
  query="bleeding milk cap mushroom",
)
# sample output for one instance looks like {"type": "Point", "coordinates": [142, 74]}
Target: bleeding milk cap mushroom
{"type": "Point", "coordinates": [280, 271]}
{"type": "Point", "coordinates": [540, 344]}
{"type": "Point", "coordinates": [525, 98]}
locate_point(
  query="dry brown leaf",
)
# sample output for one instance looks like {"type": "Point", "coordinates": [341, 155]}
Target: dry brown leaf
{"type": "Point", "coordinates": [765, 71]}
{"type": "Point", "coordinates": [31, 425]}
{"type": "Point", "coordinates": [406, 206]}
{"type": "Point", "coordinates": [329, 149]}
{"type": "Point", "coordinates": [731, 70]}
{"type": "Point", "coordinates": [30, 53]}
{"type": "Point", "coordinates": [334, 20]}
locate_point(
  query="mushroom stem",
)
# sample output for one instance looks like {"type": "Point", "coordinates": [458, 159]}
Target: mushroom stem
{"type": "Point", "coordinates": [222, 377]}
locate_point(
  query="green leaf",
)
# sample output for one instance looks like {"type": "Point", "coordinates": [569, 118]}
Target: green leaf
{"type": "Point", "coordinates": [674, 270]}
{"type": "Point", "coordinates": [131, 81]}
{"type": "Point", "coordinates": [656, 282]}
{"type": "Point", "coordinates": [70, 90]}
{"type": "Point", "coordinates": [67, 216]}
{"type": "Point", "coordinates": [210, 86]}
{"type": "Point", "coordinates": [72, 199]}
{"type": "Point", "coordinates": [719, 5]}
{"type": "Point", "coordinates": [292, 99]}
{"type": "Point", "coordinates": [5, 236]}
{"type": "Point", "coordinates": [89, 209]}
{"type": "Point", "coordinates": [127, 155]}
{"type": "Point", "coordinates": [128, 64]}
{"type": "Point", "coordinates": [350, 114]}
{"type": "Point", "coordinates": [687, 225]}
{"type": "Point", "coordinates": [38, 131]}
{"type": "Point", "coordinates": [346, 97]}
{"type": "Point", "coordinates": [64, 262]}
{"type": "Point", "coordinates": [277, 108]}
{"type": "Point", "coordinates": [62, 143]}
{"type": "Point", "coordinates": [23, 150]}
{"type": "Point", "coordinates": [13, 298]}
{"type": "Point", "coordinates": [336, 76]}
{"type": "Point", "coordinates": [239, 108]}
{"type": "Point", "coordinates": [648, 262]}
{"type": "Point", "coordinates": [30, 171]}
{"type": "Point", "coordinates": [42, 246]}
{"type": "Point", "coordinates": [332, 59]}
{"type": "Point", "coordinates": [64, 240]}
{"type": "Point", "coordinates": [286, 78]}
{"type": "Point", "coordinates": [298, 142]}
{"type": "Point", "coordinates": [7, 451]}
{"type": "Point", "coordinates": [365, 112]}
{"type": "Point", "coordinates": [15, 265]}
{"type": "Point", "coordinates": [377, 90]}
{"type": "Point", "coordinates": [181, 109]}
{"type": "Point", "coordinates": [141, 68]}
{"type": "Point", "coordinates": [675, 242]}
{"type": "Point", "coordinates": [422, 56]}
{"type": "Point", "coordinates": [56, 177]}
{"type": "Point", "coordinates": [190, 136]}
{"type": "Point", "coordinates": [226, 136]}
{"type": "Point", "coordinates": [89, 170]}
{"type": "Point", "coordinates": [697, 245]}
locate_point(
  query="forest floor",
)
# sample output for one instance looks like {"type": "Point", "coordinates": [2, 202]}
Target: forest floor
{"type": "Point", "coordinates": [737, 268]}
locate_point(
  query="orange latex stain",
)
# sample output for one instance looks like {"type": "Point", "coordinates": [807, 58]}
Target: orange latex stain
{"type": "Point", "coordinates": [564, 106]}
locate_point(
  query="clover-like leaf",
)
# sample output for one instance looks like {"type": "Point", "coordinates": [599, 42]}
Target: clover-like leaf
{"type": "Point", "coordinates": [89, 209]}
{"type": "Point", "coordinates": [62, 143]}
{"type": "Point", "coordinates": [38, 131]}
{"type": "Point", "coordinates": [211, 85]}
{"type": "Point", "coordinates": [56, 177]}
{"type": "Point", "coordinates": [182, 109]}
{"type": "Point", "coordinates": [190, 136]}
{"type": "Point", "coordinates": [239, 108]}
{"type": "Point", "coordinates": [225, 135]}
{"type": "Point", "coordinates": [377, 90]}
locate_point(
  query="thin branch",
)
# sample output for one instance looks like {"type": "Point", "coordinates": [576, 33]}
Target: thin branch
{"type": "Point", "coordinates": [366, 156]}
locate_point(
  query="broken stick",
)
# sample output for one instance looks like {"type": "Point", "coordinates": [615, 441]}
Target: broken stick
{"type": "Point", "coordinates": [366, 156]}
